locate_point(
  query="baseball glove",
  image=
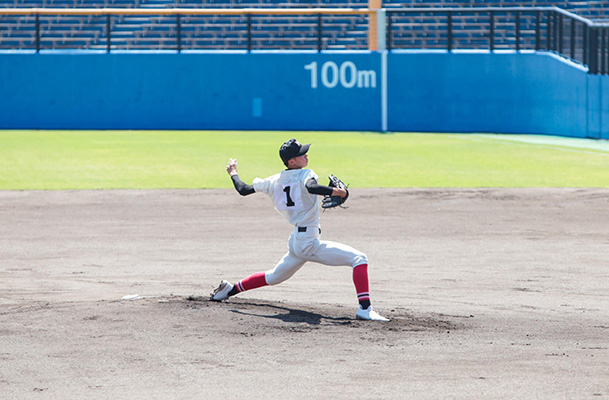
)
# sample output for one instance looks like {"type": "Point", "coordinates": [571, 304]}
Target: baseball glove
{"type": "Point", "coordinates": [335, 201]}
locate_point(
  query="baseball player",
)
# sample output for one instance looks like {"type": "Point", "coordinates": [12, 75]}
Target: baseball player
{"type": "Point", "coordinates": [295, 193]}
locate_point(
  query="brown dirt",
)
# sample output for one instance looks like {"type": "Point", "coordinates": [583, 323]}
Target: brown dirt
{"type": "Point", "coordinates": [493, 293]}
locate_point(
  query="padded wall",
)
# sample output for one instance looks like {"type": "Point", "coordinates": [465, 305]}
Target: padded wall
{"type": "Point", "coordinates": [483, 92]}
{"type": "Point", "coordinates": [436, 92]}
{"type": "Point", "coordinates": [180, 91]}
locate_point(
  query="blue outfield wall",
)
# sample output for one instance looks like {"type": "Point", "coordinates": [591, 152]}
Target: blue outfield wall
{"type": "Point", "coordinates": [396, 91]}
{"type": "Point", "coordinates": [178, 91]}
{"type": "Point", "coordinates": [483, 92]}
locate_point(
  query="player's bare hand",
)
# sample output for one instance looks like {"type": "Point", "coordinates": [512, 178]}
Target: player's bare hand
{"type": "Point", "coordinates": [231, 168]}
{"type": "Point", "coordinates": [339, 192]}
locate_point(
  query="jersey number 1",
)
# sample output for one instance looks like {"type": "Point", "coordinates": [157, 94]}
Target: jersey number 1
{"type": "Point", "coordinates": [288, 199]}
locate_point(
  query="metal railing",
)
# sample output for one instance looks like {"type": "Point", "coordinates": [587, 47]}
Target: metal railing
{"type": "Point", "coordinates": [496, 28]}
{"type": "Point", "coordinates": [192, 29]}
{"type": "Point", "coordinates": [491, 28]}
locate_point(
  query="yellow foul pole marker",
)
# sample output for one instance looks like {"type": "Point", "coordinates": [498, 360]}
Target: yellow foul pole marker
{"type": "Point", "coordinates": [373, 24]}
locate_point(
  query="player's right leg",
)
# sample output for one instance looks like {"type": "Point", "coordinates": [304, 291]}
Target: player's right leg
{"type": "Point", "coordinates": [284, 270]}
{"type": "Point", "coordinates": [227, 289]}
{"type": "Point", "coordinates": [222, 291]}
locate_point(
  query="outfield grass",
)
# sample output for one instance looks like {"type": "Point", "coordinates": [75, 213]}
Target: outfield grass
{"type": "Point", "coordinates": [189, 159]}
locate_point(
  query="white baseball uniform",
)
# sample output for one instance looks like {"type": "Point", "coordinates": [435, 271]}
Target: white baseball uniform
{"type": "Point", "coordinates": [291, 198]}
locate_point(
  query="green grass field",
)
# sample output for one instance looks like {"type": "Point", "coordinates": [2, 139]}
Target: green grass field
{"type": "Point", "coordinates": [190, 159]}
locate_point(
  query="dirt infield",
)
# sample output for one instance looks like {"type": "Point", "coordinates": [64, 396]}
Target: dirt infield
{"type": "Point", "coordinates": [493, 294]}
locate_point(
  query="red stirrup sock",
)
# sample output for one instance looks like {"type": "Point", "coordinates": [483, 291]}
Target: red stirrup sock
{"type": "Point", "coordinates": [360, 280]}
{"type": "Point", "coordinates": [253, 281]}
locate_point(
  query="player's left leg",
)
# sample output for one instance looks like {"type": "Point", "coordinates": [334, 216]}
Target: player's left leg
{"type": "Point", "coordinates": [333, 253]}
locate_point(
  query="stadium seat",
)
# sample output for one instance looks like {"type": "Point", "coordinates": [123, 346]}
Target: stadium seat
{"type": "Point", "coordinates": [282, 32]}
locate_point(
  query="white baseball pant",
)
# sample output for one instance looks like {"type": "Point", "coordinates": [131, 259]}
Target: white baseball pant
{"type": "Point", "coordinates": [306, 246]}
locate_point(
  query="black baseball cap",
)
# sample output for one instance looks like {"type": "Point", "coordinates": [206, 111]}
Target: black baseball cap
{"type": "Point", "coordinates": [292, 148]}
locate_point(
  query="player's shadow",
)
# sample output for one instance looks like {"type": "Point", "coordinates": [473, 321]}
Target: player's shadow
{"type": "Point", "coordinates": [293, 315]}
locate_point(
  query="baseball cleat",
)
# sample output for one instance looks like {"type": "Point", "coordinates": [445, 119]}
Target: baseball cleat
{"type": "Point", "coordinates": [221, 292]}
{"type": "Point", "coordinates": [369, 315]}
